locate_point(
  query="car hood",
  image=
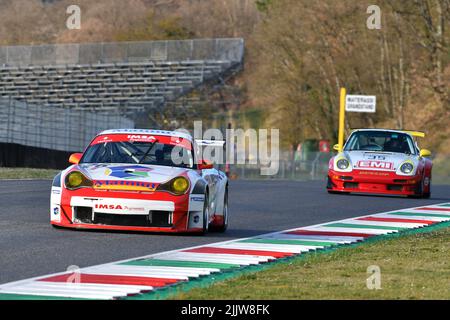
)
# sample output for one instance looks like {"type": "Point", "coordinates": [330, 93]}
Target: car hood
{"type": "Point", "coordinates": [131, 172]}
{"type": "Point", "coordinates": [372, 160]}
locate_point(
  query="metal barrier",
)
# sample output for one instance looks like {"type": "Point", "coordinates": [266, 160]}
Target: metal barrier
{"type": "Point", "coordinates": [53, 128]}
{"type": "Point", "coordinates": [316, 168]}
{"type": "Point", "coordinates": [313, 168]}
{"type": "Point", "coordinates": [90, 53]}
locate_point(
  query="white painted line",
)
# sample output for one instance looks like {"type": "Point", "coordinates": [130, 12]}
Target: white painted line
{"type": "Point", "coordinates": [350, 230]}
{"type": "Point", "coordinates": [269, 247]}
{"type": "Point", "coordinates": [385, 224]}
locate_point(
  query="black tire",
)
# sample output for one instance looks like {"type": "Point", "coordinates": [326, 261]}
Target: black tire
{"type": "Point", "coordinates": [224, 226]}
{"type": "Point", "coordinates": [427, 195]}
{"type": "Point", "coordinates": [206, 214]}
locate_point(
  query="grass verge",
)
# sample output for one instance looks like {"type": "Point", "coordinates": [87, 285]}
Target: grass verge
{"type": "Point", "coordinates": [413, 266]}
{"type": "Point", "coordinates": [27, 173]}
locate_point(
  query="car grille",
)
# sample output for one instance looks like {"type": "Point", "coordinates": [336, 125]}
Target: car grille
{"type": "Point", "coordinates": [160, 219]}
{"type": "Point", "coordinates": [351, 185]}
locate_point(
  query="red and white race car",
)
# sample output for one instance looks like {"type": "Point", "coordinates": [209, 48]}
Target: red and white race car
{"type": "Point", "coordinates": [141, 180]}
{"type": "Point", "coordinates": [381, 161]}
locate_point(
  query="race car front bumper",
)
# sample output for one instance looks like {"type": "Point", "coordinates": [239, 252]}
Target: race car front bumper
{"type": "Point", "coordinates": [375, 182]}
{"type": "Point", "coordinates": [151, 212]}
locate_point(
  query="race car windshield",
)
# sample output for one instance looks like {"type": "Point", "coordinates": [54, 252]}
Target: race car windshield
{"type": "Point", "coordinates": [133, 152]}
{"type": "Point", "coordinates": [381, 141]}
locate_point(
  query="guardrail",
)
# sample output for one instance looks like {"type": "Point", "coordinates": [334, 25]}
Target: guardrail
{"type": "Point", "coordinates": [315, 167]}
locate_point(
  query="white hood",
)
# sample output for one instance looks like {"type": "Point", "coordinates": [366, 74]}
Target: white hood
{"type": "Point", "coordinates": [131, 172]}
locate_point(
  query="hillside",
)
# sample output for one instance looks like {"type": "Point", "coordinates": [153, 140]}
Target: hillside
{"type": "Point", "coordinates": [299, 53]}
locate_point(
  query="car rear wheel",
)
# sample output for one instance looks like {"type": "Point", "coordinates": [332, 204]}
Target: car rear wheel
{"type": "Point", "coordinates": [224, 223]}
{"type": "Point", "coordinates": [206, 214]}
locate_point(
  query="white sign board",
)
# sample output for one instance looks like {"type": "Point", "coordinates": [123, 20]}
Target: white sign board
{"type": "Point", "coordinates": [360, 103]}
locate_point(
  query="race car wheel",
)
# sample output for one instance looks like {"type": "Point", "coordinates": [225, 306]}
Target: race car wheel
{"type": "Point", "coordinates": [427, 195]}
{"type": "Point", "coordinates": [420, 191]}
{"type": "Point", "coordinates": [206, 214]}
{"type": "Point", "coordinates": [223, 227]}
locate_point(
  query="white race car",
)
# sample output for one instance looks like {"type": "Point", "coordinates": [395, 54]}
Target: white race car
{"type": "Point", "coordinates": [381, 161]}
{"type": "Point", "coordinates": [141, 180]}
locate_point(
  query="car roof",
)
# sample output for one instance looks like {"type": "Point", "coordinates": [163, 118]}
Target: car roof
{"type": "Point", "coordinates": [177, 134]}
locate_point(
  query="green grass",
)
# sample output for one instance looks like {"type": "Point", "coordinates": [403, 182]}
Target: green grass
{"type": "Point", "coordinates": [27, 173]}
{"type": "Point", "coordinates": [415, 266]}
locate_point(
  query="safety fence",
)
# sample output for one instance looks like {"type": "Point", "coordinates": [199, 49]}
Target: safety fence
{"type": "Point", "coordinates": [315, 167]}
{"type": "Point", "coordinates": [229, 49]}
{"type": "Point", "coordinates": [53, 128]}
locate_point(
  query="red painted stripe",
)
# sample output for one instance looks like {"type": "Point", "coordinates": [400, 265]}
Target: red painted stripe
{"type": "Point", "coordinates": [112, 279]}
{"type": "Point", "coordinates": [434, 209]}
{"type": "Point", "coordinates": [240, 251]}
{"type": "Point", "coordinates": [396, 220]}
{"type": "Point", "coordinates": [330, 233]}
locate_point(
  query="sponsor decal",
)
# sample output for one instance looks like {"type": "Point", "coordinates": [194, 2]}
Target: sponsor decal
{"type": "Point", "coordinates": [124, 185]}
{"type": "Point", "coordinates": [56, 191]}
{"type": "Point", "coordinates": [56, 211]}
{"type": "Point", "coordinates": [199, 199]}
{"type": "Point", "coordinates": [108, 206]}
{"type": "Point", "coordinates": [101, 206]}
{"type": "Point", "coordinates": [140, 138]}
{"type": "Point", "coordinates": [196, 219]}
{"type": "Point", "coordinates": [375, 164]}
{"type": "Point", "coordinates": [128, 172]}
{"type": "Point", "coordinates": [374, 173]}
{"type": "Point", "coordinates": [149, 138]}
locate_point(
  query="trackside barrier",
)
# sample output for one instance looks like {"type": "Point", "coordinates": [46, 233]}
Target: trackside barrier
{"type": "Point", "coordinates": [53, 128]}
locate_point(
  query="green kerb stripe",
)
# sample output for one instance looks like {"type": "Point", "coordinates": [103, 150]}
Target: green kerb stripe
{"type": "Point", "coordinates": [361, 226]}
{"type": "Point", "coordinates": [419, 214]}
{"type": "Point", "coordinates": [11, 296]}
{"type": "Point", "coordinates": [292, 242]}
{"type": "Point", "coordinates": [176, 263]}
{"type": "Point", "coordinates": [444, 205]}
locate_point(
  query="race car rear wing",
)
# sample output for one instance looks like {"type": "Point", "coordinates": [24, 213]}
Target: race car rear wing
{"type": "Point", "coordinates": [210, 143]}
{"type": "Point", "coordinates": [418, 134]}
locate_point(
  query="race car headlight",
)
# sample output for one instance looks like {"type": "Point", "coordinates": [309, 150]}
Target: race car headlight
{"type": "Point", "coordinates": [342, 164]}
{"type": "Point", "coordinates": [177, 186]}
{"type": "Point", "coordinates": [406, 168]}
{"type": "Point", "coordinates": [76, 179]}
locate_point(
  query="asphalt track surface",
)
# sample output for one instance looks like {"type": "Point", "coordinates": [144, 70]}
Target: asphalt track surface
{"type": "Point", "coordinates": [30, 246]}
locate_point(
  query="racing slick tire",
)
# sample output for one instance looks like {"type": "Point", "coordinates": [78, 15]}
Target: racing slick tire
{"type": "Point", "coordinates": [223, 227]}
{"type": "Point", "coordinates": [427, 195]}
{"type": "Point", "coordinates": [420, 192]}
{"type": "Point", "coordinates": [206, 214]}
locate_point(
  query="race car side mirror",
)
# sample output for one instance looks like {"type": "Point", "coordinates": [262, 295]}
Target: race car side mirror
{"type": "Point", "coordinates": [336, 147]}
{"type": "Point", "coordinates": [75, 158]}
{"type": "Point", "coordinates": [205, 164]}
{"type": "Point", "coordinates": [425, 153]}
